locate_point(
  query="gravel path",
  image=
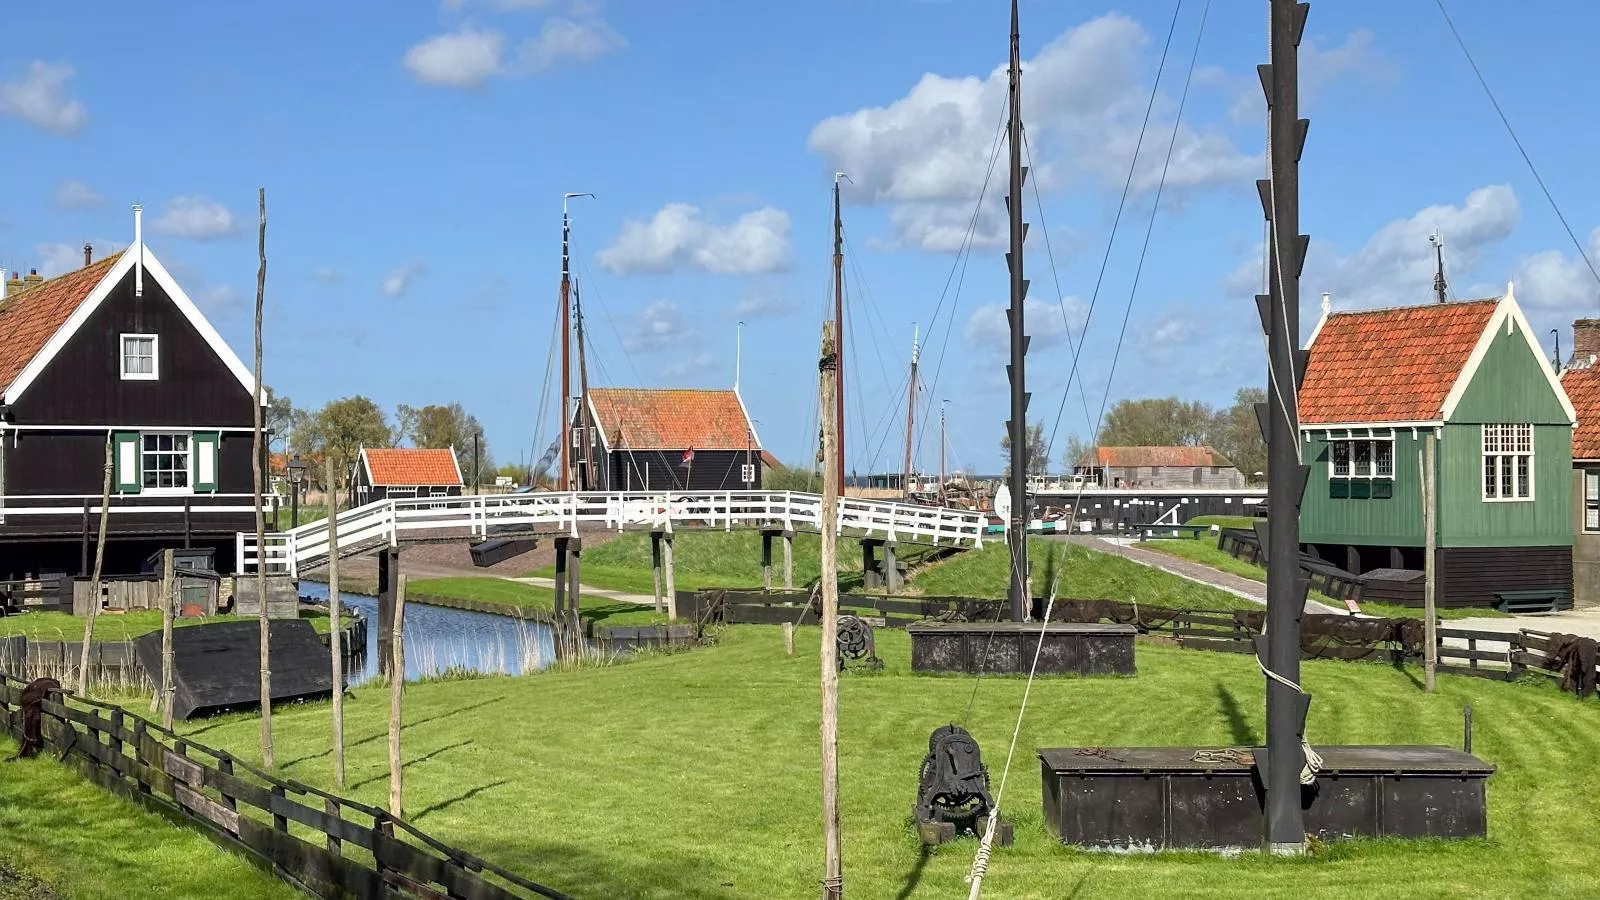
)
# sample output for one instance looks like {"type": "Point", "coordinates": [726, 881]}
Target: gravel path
{"type": "Point", "coordinates": [1237, 585]}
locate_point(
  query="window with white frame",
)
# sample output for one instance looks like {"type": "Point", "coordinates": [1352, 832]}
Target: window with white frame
{"type": "Point", "coordinates": [164, 462]}
{"type": "Point", "coordinates": [1508, 462]}
{"type": "Point", "coordinates": [747, 473]}
{"type": "Point", "coordinates": [140, 360]}
{"type": "Point", "coordinates": [1361, 458]}
{"type": "Point", "coordinates": [1591, 499]}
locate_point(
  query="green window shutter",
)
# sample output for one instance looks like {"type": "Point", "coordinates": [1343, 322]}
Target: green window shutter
{"type": "Point", "coordinates": [203, 461]}
{"type": "Point", "coordinates": [128, 475]}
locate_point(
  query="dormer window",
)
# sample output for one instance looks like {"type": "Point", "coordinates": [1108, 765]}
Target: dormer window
{"type": "Point", "coordinates": [140, 357]}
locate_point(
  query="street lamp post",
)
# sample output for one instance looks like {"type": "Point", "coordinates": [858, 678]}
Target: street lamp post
{"type": "Point", "coordinates": [297, 475]}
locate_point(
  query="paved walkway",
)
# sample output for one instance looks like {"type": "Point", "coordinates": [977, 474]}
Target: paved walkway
{"type": "Point", "coordinates": [619, 596]}
{"type": "Point", "coordinates": [1583, 622]}
{"type": "Point", "coordinates": [1237, 585]}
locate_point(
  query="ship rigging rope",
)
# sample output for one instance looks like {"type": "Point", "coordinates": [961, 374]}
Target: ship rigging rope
{"type": "Point", "coordinates": [544, 401]}
{"type": "Point", "coordinates": [1582, 253]}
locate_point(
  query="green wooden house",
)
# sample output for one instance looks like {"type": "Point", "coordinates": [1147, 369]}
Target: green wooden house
{"type": "Point", "coordinates": [1474, 374]}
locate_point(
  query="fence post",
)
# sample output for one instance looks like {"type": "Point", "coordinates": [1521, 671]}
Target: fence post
{"type": "Point", "coordinates": [225, 766]}
{"type": "Point", "coordinates": [139, 735]}
{"type": "Point", "coordinates": [331, 807]}
{"type": "Point", "coordinates": [280, 823]}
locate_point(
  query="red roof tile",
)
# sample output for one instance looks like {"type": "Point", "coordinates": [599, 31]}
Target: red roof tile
{"type": "Point", "coordinates": [1583, 389]}
{"type": "Point", "coordinates": [1187, 457]}
{"type": "Point", "coordinates": [30, 317]}
{"type": "Point", "coordinates": [638, 419]}
{"type": "Point", "coordinates": [408, 466]}
{"type": "Point", "coordinates": [1390, 365]}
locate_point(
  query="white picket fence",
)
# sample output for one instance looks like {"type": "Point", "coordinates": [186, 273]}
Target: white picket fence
{"type": "Point", "coordinates": [389, 522]}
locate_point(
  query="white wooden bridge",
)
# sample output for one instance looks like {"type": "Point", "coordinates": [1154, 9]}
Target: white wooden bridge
{"type": "Point", "coordinates": [435, 519]}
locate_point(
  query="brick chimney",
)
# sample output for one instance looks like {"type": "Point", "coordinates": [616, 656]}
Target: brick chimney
{"type": "Point", "coordinates": [32, 279]}
{"type": "Point", "coordinates": [1585, 341]}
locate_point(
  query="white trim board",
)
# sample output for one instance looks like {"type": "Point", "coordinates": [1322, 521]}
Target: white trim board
{"type": "Point", "coordinates": [174, 292]}
{"type": "Point", "coordinates": [1509, 314]}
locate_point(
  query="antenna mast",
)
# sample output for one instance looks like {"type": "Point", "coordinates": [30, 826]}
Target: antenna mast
{"type": "Point", "coordinates": [1017, 427]}
{"type": "Point", "coordinates": [838, 326]}
{"type": "Point", "coordinates": [911, 409]}
{"type": "Point", "coordinates": [1439, 286]}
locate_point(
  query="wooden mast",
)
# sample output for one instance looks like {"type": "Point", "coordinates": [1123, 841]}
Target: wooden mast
{"type": "Point", "coordinates": [1016, 535]}
{"type": "Point", "coordinates": [585, 459]}
{"type": "Point", "coordinates": [911, 412]}
{"type": "Point", "coordinates": [566, 351]}
{"type": "Point", "coordinates": [838, 333]}
{"type": "Point", "coordinates": [941, 452]}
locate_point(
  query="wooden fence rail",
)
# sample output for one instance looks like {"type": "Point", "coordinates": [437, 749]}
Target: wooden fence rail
{"type": "Point", "coordinates": [327, 845]}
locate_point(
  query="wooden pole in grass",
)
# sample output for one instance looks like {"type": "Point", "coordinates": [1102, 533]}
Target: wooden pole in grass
{"type": "Point", "coordinates": [94, 583]}
{"type": "Point", "coordinates": [833, 857]}
{"type": "Point", "coordinates": [169, 609]}
{"type": "Point", "coordinates": [335, 638]}
{"type": "Point", "coordinates": [258, 485]}
{"type": "Point", "coordinates": [397, 681]}
{"type": "Point", "coordinates": [1430, 524]}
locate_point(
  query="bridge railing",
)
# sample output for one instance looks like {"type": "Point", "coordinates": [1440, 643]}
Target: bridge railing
{"type": "Point", "coordinates": [393, 520]}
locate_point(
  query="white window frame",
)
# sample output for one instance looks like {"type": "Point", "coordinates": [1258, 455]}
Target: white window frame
{"type": "Point", "coordinates": [1591, 500]}
{"type": "Point", "coordinates": [1371, 473]}
{"type": "Point", "coordinates": [747, 473]}
{"type": "Point", "coordinates": [1493, 445]}
{"type": "Point", "coordinates": [145, 454]}
{"type": "Point", "coordinates": [155, 357]}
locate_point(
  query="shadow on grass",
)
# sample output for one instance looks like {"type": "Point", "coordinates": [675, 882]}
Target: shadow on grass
{"type": "Point", "coordinates": [1403, 669]}
{"type": "Point", "coordinates": [452, 801]}
{"type": "Point", "coordinates": [1239, 730]}
{"type": "Point", "coordinates": [384, 734]}
{"type": "Point", "coordinates": [580, 871]}
{"type": "Point", "coordinates": [409, 763]}
{"type": "Point", "coordinates": [914, 877]}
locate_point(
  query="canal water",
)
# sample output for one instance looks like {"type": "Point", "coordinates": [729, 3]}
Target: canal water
{"type": "Point", "coordinates": [439, 639]}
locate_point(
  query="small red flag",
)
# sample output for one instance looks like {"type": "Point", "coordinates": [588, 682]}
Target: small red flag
{"type": "Point", "coordinates": [688, 457]}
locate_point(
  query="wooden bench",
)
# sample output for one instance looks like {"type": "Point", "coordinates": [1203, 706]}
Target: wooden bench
{"type": "Point", "coordinates": [1549, 600]}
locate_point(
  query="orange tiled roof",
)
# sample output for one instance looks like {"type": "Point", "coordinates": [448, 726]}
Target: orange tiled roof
{"type": "Point", "coordinates": [31, 316]}
{"type": "Point", "coordinates": [1158, 456]}
{"type": "Point", "coordinates": [671, 419]}
{"type": "Point", "coordinates": [1583, 389]}
{"type": "Point", "coordinates": [407, 466]}
{"type": "Point", "coordinates": [1390, 365]}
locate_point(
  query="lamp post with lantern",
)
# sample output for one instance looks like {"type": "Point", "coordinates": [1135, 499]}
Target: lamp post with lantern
{"type": "Point", "coordinates": [297, 476]}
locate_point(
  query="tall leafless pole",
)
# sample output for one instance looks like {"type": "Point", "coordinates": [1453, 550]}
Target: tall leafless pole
{"type": "Point", "coordinates": [94, 583]}
{"type": "Point", "coordinates": [1430, 525]}
{"type": "Point", "coordinates": [838, 333]}
{"type": "Point", "coordinates": [833, 867]}
{"type": "Point", "coordinates": [911, 412]}
{"type": "Point", "coordinates": [169, 609]}
{"type": "Point", "coordinates": [335, 638]}
{"type": "Point", "coordinates": [397, 682]}
{"type": "Point", "coordinates": [1017, 536]}
{"type": "Point", "coordinates": [261, 522]}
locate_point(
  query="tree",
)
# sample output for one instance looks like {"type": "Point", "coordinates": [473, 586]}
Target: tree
{"type": "Point", "coordinates": [1157, 422]}
{"type": "Point", "coordinates": [438, 427]}
{"type": "Point", "coordinates": [519, 473]}
{"type": "Point", "coordinates": [281, 416]}
{"type": "Point", "coordinates": [342, 428]}
{"type": "Point", "coordinates": [1075, 453]}
{"type": "Point", "coordinates": [791, 478]}
{"type": "Point", "coordinates": [1038, 454]}
{"type": "Point", "coordinates": [1236, 435]}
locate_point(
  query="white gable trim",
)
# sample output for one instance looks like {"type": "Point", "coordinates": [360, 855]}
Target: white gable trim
{"type": "Point", "coordinates": [461, 480]}
{"type": "Point", "coordinates": [361, 460]}
{"type": "Point", "coordinates": [1509, 314]}
{"type": "Point", "coordinates": [1317, 330]}
{"type": "Point", "coordinates": [599, 426]}
{"type": "Point", "coordinates": [748, 422]}
{"type": "Point", "coordinates": [58, 341]}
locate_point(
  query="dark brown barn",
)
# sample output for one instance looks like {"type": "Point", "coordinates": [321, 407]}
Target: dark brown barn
{"type": "Point", "coordinates": [116, 352]}
{"type": "Point", "coordinates": [403, 473]}
{"type": "Point", "coordinates": [667, 439]}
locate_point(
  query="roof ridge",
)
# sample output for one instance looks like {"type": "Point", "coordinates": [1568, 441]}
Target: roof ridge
{"type": "Point", "coordinates": [1386, 309]}
{"type": "Point", "coordinates": [108, 259]}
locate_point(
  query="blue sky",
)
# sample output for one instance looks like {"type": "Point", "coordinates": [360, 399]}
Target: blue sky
{"type": "Point", "coordinates": [415, 153]}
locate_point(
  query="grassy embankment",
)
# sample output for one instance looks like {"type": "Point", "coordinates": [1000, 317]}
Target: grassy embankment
{"type": "Point", "coordinates": [67, 837]}
{"type": "Point", "coordinates": [721, 746]}
{"type": "Point", "coordinates": [58, 626]}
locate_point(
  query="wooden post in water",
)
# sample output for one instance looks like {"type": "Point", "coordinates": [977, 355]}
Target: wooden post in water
{"type": "Point", "coordinates": [258, 486]}
{"type": "Point", "coordinates": [169, 609]}
{"type": "Point", "coordinates": [833, 857]}
{"type": "Point", "coordinates": [335, 639]}
{"type": "Point", "coordinates": [397, 681]}
{"type": "Point", "coordinates": [94, 582]}
{"type": "Point", "coordinates": [1430, 524]}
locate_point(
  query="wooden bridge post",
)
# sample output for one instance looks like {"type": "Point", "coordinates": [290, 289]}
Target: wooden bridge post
{"type": "Point", "coordinates": [561, 575]}
{"type": "Point", "coordinates": [655, 569]}
{"type": "Point", "coordinates": [574, 585]}
{"type": "Point", "coordinates": [388, 580]}
{"type": "Point", "coordinates": [788, 559]}
{"type": "Point", "coordinates": [672, 585]}
{"type": "Point", "coordinates": [891, 569]}
{"type": "Point", "coordinates": [870, 576]}
{"type": "Point", "coordinates": [766, 560]}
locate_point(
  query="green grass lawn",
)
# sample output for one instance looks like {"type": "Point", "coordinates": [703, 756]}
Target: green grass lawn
{"type": "Point", "coordinates": [1204, 550]}
{"type": "Point", "coordinates": [58, 626]}
{"type": "Point", "coordinates": [83, 842]}
{"type": "Point", "coordinates": [534, 597]}
{"type": "Point", "coordinates": [715, 753]}
{"type": "Point", "coordinates": [1224, 521]}
{"type": "Point", "coordinates": [1085, 574]}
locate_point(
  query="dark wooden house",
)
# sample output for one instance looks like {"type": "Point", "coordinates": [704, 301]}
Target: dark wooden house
{"type": "Point", "coordinates": [1580, 378]}
{"type": "Point", "coordinates": [666, 439]}
{"type": "Point", "coordinates": [1473, 374]}
{"type": "Point", "coordinates": [1159, 467]}
{"type": "Point", "coordinates": [404, 473]}
{"type": "Point", "coordinates": [116, 354]}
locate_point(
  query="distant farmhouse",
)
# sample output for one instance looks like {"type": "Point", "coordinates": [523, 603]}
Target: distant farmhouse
{"type": "Point", "coordinates": [1474, 374]}
{"type": "Point", "coordinates": [383, 473]}
{"type": "Point", "coordinates": [1159, 467]}
{"type": "Point", "coordinates": [667, 439]}
{"type": "Point", "coordinates": [116, 354]}
{"type": "Point", "coordinates": [1581, 379]}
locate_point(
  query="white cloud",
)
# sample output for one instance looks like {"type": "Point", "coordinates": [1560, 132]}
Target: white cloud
{"type": "Point", "coordinates": [400, 279]}
{"type": "Point", "coordinates": [689, 367]}
{"type": "Point", "coordinates": [560, 39]}
{"type": "Point", "coordinates": [657, 327]}
{"type": "Point", "coordinates": [762, 305]}
{"type": "Point", "coordinates": [679, 235]}
{"type": "Point", "coordinates": [41, 98]}
{"type": "Point", "coordinates": [458, 59]}
{"type": "Point", "coordinates": [328, 275]}
{"type": "Point", "coordinates": [220, 298]}
{"type": "Point", "coordinates": [926, 153]}
{"type": "Point", "coordinates": [195, 217]}
{"type": "Point", "coordinates": [1357, 57]}
{"type": "Point", "coordinates": [77, 195]}
{"type": "Point", "coordinates": [1557, 280]}
{"type": "Point", "coordinates": [59, 257]}
{"type": "Point", "coordinates": [988, 327]}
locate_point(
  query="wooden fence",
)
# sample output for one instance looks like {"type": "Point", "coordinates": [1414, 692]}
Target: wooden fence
{"type": "Point", "coordinates": [324, 844]}
{"type": "Point", "coordinates": [53, 594]}
{"type": "Point", "coordinates": [1332, 581]}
